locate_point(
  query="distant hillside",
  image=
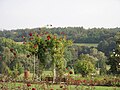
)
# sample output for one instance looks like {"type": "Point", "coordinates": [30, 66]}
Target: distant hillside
{"type": "Point", "coordinates": [77, 34]}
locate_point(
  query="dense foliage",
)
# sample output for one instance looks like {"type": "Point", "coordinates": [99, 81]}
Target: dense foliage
{"type": "Point", "coordinates": [84, 67]}
{"type": "Point", "coordinates": [77, 34]}
{"type": "Point", "coordinates": [48, 45]}
{"type": "Point", "coordinates": [104, 37]}
{"type": "Point", "coordinates": [114, 57]}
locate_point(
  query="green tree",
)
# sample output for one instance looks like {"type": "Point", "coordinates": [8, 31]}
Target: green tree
{"type": "Point", "coordinates": [103, 46]}
{"type": "Point", "coordinates": [101, 60]}
{"type": "Point", "coordinates": [85, 64]}
{"type": "Point", "coordinates": [87, 57]}
{"type": "Point", "coordinates": [114, 59]}
{"type": "Point", "coordinates": [84, 67]}
{"type": "Point", "coordinates": [44, 45]}
{"type": "Point", "coordinates": [107, 45]}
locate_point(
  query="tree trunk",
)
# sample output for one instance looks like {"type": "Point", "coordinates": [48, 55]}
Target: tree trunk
{"type": "Point", "coordinates": [54, 73]}
{"type": "Point", "coordinates": [34, 68]}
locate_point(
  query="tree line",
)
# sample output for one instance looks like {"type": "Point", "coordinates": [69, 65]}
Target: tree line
{"type": "Point", "coordinates": [77, 34]}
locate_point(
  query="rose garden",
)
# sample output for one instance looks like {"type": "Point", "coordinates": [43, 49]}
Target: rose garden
{"type": "Point", "coordinates": [44, 65]}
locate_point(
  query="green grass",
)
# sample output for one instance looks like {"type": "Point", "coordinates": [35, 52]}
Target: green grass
{"type": "Point", "coordinates": [72, 87]}
{"type": "Point", "coordinates": [87, 44]}
{"type": "Point", "coordinates": [47, 73]}
{"type": "Point", "coordinates": [79, 44]}
{"type": "Point", "coordinates": [14, 86]}
{"type": "Point", "coordinates": [106, 88]}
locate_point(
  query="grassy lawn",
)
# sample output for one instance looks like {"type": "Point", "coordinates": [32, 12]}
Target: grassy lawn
{"type": "Point", "coordinates": [106, 88]}
{"type": "Point", "coordinates": [86, 44]}
{"type": "Point", "coordinates": [14, 86]}
{"type": "Point", "coordinates": [79, 44]}
{"type": "Point", "coordinates": [73, 87]}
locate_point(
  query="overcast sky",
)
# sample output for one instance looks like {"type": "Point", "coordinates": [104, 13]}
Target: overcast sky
{"type": "Point", "coordinates": [37, 13]}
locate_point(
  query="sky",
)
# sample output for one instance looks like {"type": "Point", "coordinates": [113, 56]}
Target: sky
{"type": "Point", "coordinates": [20, 14]}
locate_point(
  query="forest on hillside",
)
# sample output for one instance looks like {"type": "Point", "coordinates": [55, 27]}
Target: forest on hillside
{"type": "Point", "coordinates": [77, 34]}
